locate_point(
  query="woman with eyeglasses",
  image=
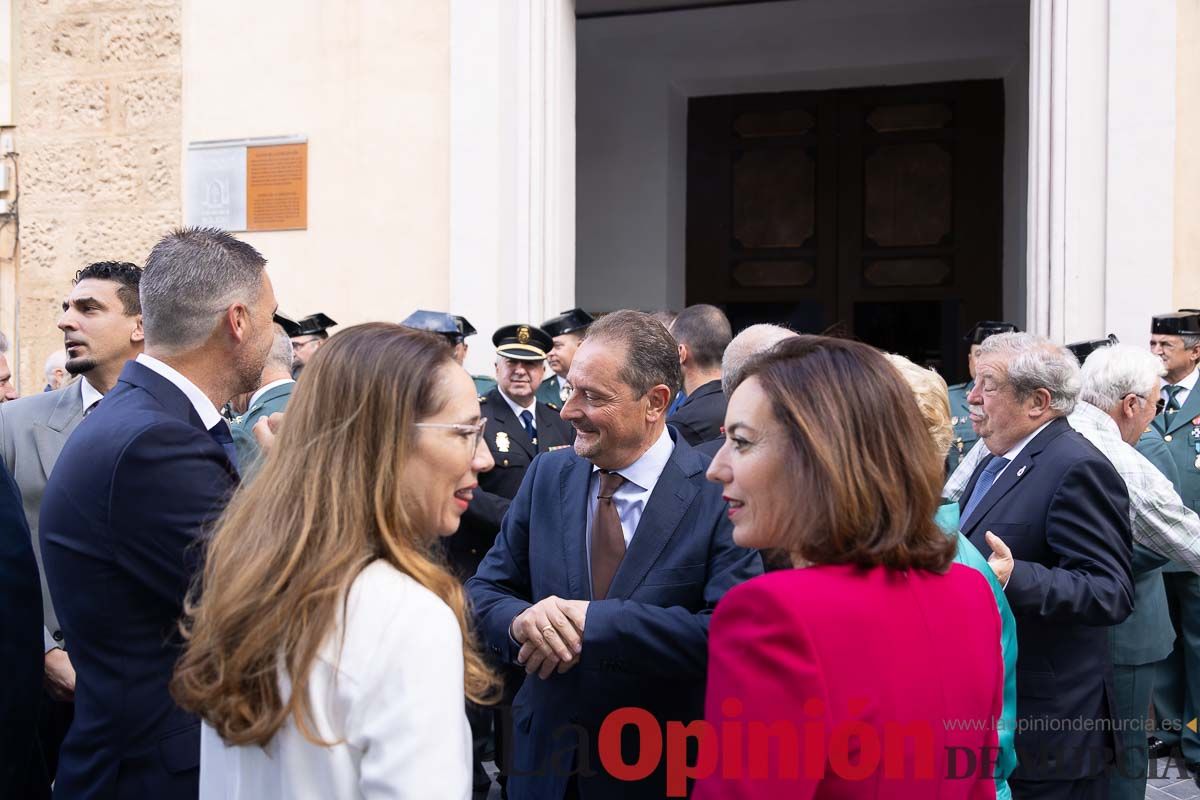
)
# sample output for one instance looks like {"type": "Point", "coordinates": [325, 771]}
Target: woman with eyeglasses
{"type": "Point", "coordinates": [328, 649]}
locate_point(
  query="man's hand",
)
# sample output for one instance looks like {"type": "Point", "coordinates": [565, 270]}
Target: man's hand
{"type": "Point", "coordinates": [551, 635]}
{"type": "Point", "coordinates": [265, 431]}
{"type": "Point", "coordinates": [60, 675]}
{"type": "Point", "coordinates": [1001, 560]}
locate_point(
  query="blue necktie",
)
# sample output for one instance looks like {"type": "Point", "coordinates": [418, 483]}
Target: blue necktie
{"type": "Point", "coordinates": [527, 421]}
{"type": "Point", "coordinates": [984, 483]}
{"type": "Point", "coordinates": [221, 433]}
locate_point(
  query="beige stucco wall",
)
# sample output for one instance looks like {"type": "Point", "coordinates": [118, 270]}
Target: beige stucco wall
{"type": "Point", "coordinates": [1187, 154]}
{"type": "Point", "coordinates": [368, 82]}
{"type": "Point", "coordinates": [98, 121]}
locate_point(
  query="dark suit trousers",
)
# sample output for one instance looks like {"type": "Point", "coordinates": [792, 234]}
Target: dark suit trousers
{"type": "Point", "coordinates": [1177, 682]}
{"type": "Point", "coordinates": [1087, 789]}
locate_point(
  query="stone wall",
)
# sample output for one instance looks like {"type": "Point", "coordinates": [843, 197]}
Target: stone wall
{"type": "Point", "coordinates": [99, 125]}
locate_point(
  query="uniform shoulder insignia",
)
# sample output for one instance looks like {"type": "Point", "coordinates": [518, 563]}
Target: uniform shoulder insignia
{"type": "Point", "coordinates": [552, 405]}
{"type": "Point", "coordinates": [483, 398]}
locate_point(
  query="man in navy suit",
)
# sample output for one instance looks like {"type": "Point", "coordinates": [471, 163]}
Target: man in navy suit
{"type": "Point", "coordinates": [137, 484]}
{"type": "Point", "coordinates": [607, 567]}
{"type": "Point", "coordinates": [1054, 514]}
{"type": "Point", "coordinates": [20, 648]}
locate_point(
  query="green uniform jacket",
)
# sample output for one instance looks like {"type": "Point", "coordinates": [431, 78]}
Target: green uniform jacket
{"type": "Point", "coordinates": [964, 435]}
{"type": "Point", "coordinates": [272, 401]}
{"type": "Point", "coordinates": [550, 392]}
{"type": "Point", "coordinates": [1180, 430]}
{"type": "Point", "coordinates": [1146, 635]}
{"type": "Point", "coordinates": [1006, 727]}
{"type": "Point", "coordinates": [483, 384]}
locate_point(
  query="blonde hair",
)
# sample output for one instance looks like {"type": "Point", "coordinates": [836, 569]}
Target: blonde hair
{"type": "Point", "coordinates": [932, 397]}
{"type": "Point", "coordinates": [328, 501]}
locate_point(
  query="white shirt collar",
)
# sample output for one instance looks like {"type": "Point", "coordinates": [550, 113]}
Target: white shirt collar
{"type": "Point", "coordinates": [1187, 383]}
{"type": "Point", "coordinates": [209, 416]}
{"type": "Point", "coordinates": [516, 409]}
{"type": "Point", "coordinates": [644, 472]}
{"type": "Point", "coordinates": [1016, 449]}
{"type": "Point", "coordinates": [91, 395]}
{"type": "Point", "coordinates": [254, 397]}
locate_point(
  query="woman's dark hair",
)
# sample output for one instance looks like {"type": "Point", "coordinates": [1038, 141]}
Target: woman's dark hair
{"type": "Point", "coordinates": [864, 469]}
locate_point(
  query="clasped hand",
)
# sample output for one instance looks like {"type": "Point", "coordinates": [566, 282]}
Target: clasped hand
{"type": "Point", "coordinates": [550, 633]}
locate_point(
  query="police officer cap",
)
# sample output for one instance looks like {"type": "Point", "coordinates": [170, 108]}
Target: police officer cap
{"type": "Point", "coordinates": [522, 342]}
{"type": "Point", "coordinates": [309, 326]}
{"type": "Point", "coordinates": [1181, 323]}
{"type": "Point", "coordinates": [986, 328]}
{"type": "Point", "coordinates": [1081, 350]}
{"type": "Point", "coordinates": [465, 328]}
{"type": "Point", "coordinates": [573, 319]}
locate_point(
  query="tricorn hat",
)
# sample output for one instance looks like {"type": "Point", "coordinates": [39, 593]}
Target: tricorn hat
{"type": "Point", "coordinates": [986, 328]}
{"type": "Point", "coordinates": [1180, 323]}
{"type": "Point", "coordinates": [573, 319]}
{"type": "Point", "coordinates": [1081, 350]}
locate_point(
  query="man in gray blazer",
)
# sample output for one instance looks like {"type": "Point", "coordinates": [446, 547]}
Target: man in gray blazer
{"type": "Point", "coordinates": [102, 329]}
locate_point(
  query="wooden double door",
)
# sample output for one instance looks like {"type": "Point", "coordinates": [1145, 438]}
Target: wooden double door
{"type": "Point", "coordinates": [872, 213]}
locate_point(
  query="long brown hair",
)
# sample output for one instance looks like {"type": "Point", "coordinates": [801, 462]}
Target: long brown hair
{"type": "Point", "coordinates": [866, 473]}
{"type": "Point", "coordinates": [327, 502]}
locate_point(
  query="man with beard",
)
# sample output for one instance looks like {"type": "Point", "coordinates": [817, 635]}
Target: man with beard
{"type": "Point", "coordinates": [143, 476]}
{"type": "Point", "coordinates": [102, 329]}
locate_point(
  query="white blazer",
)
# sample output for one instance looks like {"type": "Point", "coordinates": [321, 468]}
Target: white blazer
{"type": "Point", "coordinates": [394, 704]}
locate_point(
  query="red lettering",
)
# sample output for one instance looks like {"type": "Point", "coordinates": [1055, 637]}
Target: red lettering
{"type": "Point", "coordinates": [649, 749]}
{"type": "Point", "coordinates": [867, 749]}
{"type": "Point", "coordinates": [678, 770]}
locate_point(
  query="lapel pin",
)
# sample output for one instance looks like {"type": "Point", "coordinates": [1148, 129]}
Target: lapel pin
{"type": "Point", "coordinates": [1020, 472]}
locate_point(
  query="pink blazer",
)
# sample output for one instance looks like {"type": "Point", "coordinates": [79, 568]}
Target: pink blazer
{"type": "Point", "coordinates": [839, 682]}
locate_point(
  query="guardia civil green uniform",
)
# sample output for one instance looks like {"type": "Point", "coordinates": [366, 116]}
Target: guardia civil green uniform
{"type": "Point", "coordinates": [554, 391]}
{"type": "Point", "coordinates": [1177, 679]}
{"type": "Point", "coordinates": [960, 415]}
{"type": "Point", "coordinates": [273, 400]}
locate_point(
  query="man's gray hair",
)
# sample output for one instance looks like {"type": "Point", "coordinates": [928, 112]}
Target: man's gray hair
{"type": "Point", "coordinates": [281, 354]}
{"type": "Point", "coordinates": [55, 361]}
{"type": "Point", "coordinates": [651, 355]}
{"type": "Point", "coordinates": [1190, 341]}
{"type": "Point", "coordinates": [1110, 374]}
{"type": "Point", "coordinates": [747, 344]}
{"type": "Point", "coordinates": [191, 277]}
{"type": "Point", "coordinates": [1034, 362]}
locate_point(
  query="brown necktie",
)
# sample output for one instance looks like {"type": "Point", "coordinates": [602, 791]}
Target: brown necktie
{"type": "Point", "coordinates": [608, 541]}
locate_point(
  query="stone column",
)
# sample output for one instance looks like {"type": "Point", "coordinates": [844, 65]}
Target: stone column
{"type": "Point", "coordinates": [512, 164]}
{"type": "Point", "coordinates": [98, 116]}
{"type": "Point", "coordinates": [1101, 166]}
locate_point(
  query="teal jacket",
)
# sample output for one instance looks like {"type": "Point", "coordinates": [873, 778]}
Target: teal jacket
{"type": "Point", "coordinates": [549, 392]}
{"type": "Point", "coordinates": [964, 435]}
{"type": "Point", "coordinates": [1006, 727]}
{"type": "Point", "coordinates": [272, 401]}
{"type": "Point", "coordinates": [1180, 431]}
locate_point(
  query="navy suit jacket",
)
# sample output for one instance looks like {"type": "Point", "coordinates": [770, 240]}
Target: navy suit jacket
{"type": "Point", "coordinates": [700, 416]}
{"type": "Point", "coordinates": [1064, 511]}
{"type": "Point", "coordinates": [645, 645]}
{"type": "Point", "coordinates": [138, 482]}
{"type": "Point", "coordinates": [21, 645]}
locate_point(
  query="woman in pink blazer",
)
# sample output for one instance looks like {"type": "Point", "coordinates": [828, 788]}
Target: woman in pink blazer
{"type": "Point", "coordinates": [873, 669]}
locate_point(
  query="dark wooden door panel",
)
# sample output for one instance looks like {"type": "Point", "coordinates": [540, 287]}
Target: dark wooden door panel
{"type": "Point", "coordinates": [874, 212]}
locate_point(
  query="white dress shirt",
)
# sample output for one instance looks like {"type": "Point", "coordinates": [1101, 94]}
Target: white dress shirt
{"type": "Point", "coordinates": [391, 698]}
{"type": "Point", "coordinates": [254, 397]}
{"type": "Point", "coordinates": [91, 395]}
{"type": "Point", "coordinates": [209, 416]}
{"type": "Point", "coordinates": [640, 479]}
{"type": "Point", "coordinates": [517, 409]}
{"type": "Point", "coordinates": [1187, 383]}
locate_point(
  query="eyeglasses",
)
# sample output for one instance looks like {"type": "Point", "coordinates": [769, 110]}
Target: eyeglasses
{"type": "Point", "coordinates": [461, 428]}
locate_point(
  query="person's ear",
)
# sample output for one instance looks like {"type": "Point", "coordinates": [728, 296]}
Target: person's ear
{"type": "Point", "coordinates": [137, 336]}
{"type": "Point", "coordinates": [683, 353]}
{"type": "Point", "coordinates": [660, 399]}
{"type": "Point", "coordinates": [237, 318]}
{"type": "Point", "coordinates": [1129, 406]}
{"type": "Point", "coordinates": [1039, 402]}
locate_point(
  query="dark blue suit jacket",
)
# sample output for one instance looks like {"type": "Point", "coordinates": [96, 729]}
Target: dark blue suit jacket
{"type": "Point", "coordinates": [138, 482]}
{"type": "Point", "coordinates": [646, 645]}
{"type": "Point", "coordinates": [21, 644]}
{"type": "Point", "coordinates": [1064, 511]}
